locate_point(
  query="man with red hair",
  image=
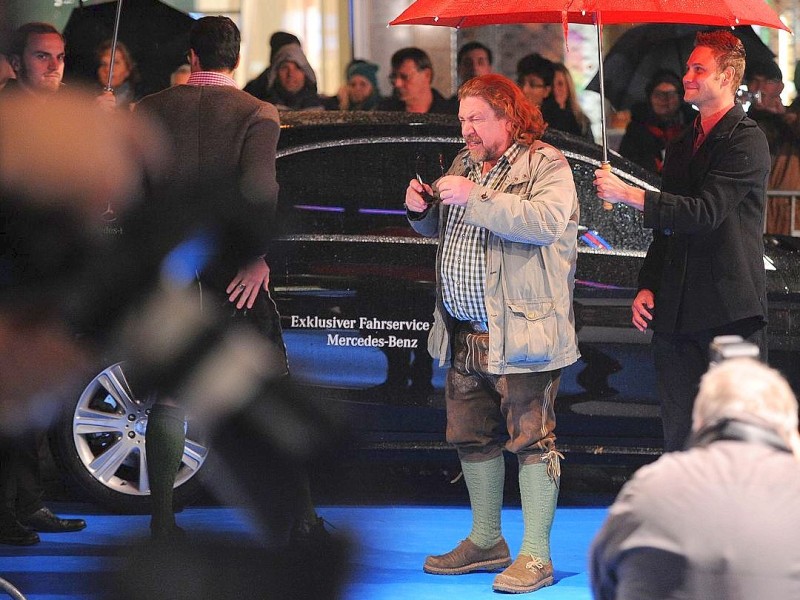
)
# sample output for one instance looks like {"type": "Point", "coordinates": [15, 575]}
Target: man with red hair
{"type": "Point", "coordinates": [506, 214]}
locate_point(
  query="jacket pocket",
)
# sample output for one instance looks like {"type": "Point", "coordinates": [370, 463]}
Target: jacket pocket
{"type": "Point", "coordinates": [531, 331]}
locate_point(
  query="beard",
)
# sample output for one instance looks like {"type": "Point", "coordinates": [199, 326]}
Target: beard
{"type": "Point", "coordinates": [480, 153]}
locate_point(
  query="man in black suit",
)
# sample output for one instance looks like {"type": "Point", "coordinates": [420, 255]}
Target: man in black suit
{"type": "Point", "coordinates": [704, 272]}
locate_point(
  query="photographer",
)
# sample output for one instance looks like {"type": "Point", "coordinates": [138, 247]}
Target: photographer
{"type": "Point", "coordinates": [718, 520]}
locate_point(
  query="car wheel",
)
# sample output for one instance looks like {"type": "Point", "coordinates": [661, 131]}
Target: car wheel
{"type": "Point", "coordinates": [99, 446]}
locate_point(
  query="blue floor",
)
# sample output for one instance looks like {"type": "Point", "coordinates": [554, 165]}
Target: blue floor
{"type": "Point", "coordinates": [390, 544]}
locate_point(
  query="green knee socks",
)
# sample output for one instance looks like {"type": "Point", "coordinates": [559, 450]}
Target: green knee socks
{"type": "Point", "coordinates": [166, 435]}
{"type": "Point", "coordinates": [485, 486]}
{"type": "Point", "coordinates": [538, 489]}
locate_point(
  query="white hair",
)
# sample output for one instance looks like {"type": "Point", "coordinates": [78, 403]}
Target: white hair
{"type": "Point", "coordinates": [740, 387]}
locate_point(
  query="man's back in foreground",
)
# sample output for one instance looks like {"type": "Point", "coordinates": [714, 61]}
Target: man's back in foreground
{"type": "Point", "coordinates": [720, 519]}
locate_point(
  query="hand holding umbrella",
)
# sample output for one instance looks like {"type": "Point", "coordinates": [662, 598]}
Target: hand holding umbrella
{"type": "Point", "coordinates": [612, 190]}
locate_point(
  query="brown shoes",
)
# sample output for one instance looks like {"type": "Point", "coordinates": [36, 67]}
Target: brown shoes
{"type": "Point", "coordinates": [468, 558]}
{"type": "Point", "coordinates": [526, 574]}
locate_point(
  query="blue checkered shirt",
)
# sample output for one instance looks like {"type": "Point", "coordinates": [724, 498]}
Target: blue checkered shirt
{"type": "Point", "coordinates": [464, 248]}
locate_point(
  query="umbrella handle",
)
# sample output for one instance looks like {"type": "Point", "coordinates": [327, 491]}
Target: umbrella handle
{"type": "Point", "coordinates": [108, 87]}
{"type": "Point", "coordinates": [606, 166]}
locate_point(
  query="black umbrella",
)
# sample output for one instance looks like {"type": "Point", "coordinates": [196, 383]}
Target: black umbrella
{"type": "Point", "coordinates": [156, 34]}
{"type": "Point", "coordinates": [645, 49]}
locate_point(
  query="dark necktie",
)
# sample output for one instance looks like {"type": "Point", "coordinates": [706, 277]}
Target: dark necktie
{"type": "Point", "coordinates": [699, 134]}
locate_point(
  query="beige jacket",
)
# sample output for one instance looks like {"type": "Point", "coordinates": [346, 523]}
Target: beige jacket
{"type": "Point", "coordinates": [532, 225]}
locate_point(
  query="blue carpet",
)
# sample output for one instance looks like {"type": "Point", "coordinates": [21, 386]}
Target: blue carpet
{"type": "Point", "coordinates": [390, 545]}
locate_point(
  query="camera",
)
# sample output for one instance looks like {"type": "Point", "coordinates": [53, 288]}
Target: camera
{"type": "Point", "coordinates": [745, 96]}
{"type": "Point", "coordinates": [724, 347]}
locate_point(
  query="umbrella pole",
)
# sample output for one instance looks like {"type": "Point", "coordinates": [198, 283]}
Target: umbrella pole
{"type": "Point", "coordinates": [108, 87]}
{"type": "Point", "coordinates": [605, 165]}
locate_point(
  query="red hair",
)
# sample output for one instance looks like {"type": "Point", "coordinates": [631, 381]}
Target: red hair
{"type": "Point", "coordinates": [507, 100]}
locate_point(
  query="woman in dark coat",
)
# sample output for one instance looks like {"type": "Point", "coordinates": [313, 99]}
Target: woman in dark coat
{"type": "Point", "coordinates": [656, 122]}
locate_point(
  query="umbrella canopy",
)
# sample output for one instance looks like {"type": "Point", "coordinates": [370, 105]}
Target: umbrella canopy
{"type": "Point", "coordinates": [468, 13]}
{"type": "Point", "coordinates": [642, 51]}
{"type": "Point", "coordinates": [156, 34]}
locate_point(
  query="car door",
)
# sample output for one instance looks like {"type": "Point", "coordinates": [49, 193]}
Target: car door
{"type": "Point", "coordinates": [355, 284]}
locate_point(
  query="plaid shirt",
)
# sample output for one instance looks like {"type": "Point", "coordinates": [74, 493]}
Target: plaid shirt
{"type": "Point", "coordinates": [464, 250]}
{"type": "Point", "coordinates": [209, 78]}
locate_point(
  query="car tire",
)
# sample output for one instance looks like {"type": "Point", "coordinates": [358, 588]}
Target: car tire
{"type": "Point", "coordinates": [99, 447]}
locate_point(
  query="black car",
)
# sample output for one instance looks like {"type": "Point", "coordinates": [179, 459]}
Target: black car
{"type": "Point", "coordinates": [355, 288]}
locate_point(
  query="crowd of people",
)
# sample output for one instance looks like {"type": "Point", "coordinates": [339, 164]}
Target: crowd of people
{"type": "Point", "coordinates": [290, 83]}
{"type": "Point", "coordinates": [781, 125]}
{"type": "Point", "coordinates": [503, 324]}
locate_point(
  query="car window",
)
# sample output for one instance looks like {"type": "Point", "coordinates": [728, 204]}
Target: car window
{"type": "Point", "coordinates": [355, 189]}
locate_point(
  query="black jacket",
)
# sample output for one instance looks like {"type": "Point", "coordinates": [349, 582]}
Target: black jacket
{"type": "Point", "coordinates": [564, 119]}
{"type": "Point", "coordinates": [440, 104]}
{"type": "Point", "coordinates": [705, 264]}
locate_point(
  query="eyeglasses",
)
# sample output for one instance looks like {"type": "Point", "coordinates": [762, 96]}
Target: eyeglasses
{"type": "Point", "coordinates": [531, 82]}
{"type": "Point", "coordinates": [664, 95]}
{"type": "Point", "coordinates": [404, 77]}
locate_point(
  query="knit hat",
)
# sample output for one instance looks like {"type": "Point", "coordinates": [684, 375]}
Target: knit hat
{"type": "Point", "coordinates": [664, 76]}
{"type": "Point", "coordinates": [367, 70]}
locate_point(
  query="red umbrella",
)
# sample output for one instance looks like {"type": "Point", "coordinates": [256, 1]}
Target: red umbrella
{"type": "Point", "coordinates": [469, 13]}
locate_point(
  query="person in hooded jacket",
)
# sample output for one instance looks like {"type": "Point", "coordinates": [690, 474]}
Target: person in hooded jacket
{"type": "Point", "coordinates": [258, 85]}
{"type": "Point", "coordinates": [292, 84]}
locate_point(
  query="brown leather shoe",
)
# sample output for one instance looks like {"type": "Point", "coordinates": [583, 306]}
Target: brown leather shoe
{"type": "Point", "coordinates": [467, 558]}
{"type": "Point", "coordinates": [526, 574]}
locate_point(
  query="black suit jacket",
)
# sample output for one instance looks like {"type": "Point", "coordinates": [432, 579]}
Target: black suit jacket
{"type": "Point", "coordinates": [705, 264]}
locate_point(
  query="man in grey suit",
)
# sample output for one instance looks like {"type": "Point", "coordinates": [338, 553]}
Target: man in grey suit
{"type": "Point", "coordinates": [224, 143]}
